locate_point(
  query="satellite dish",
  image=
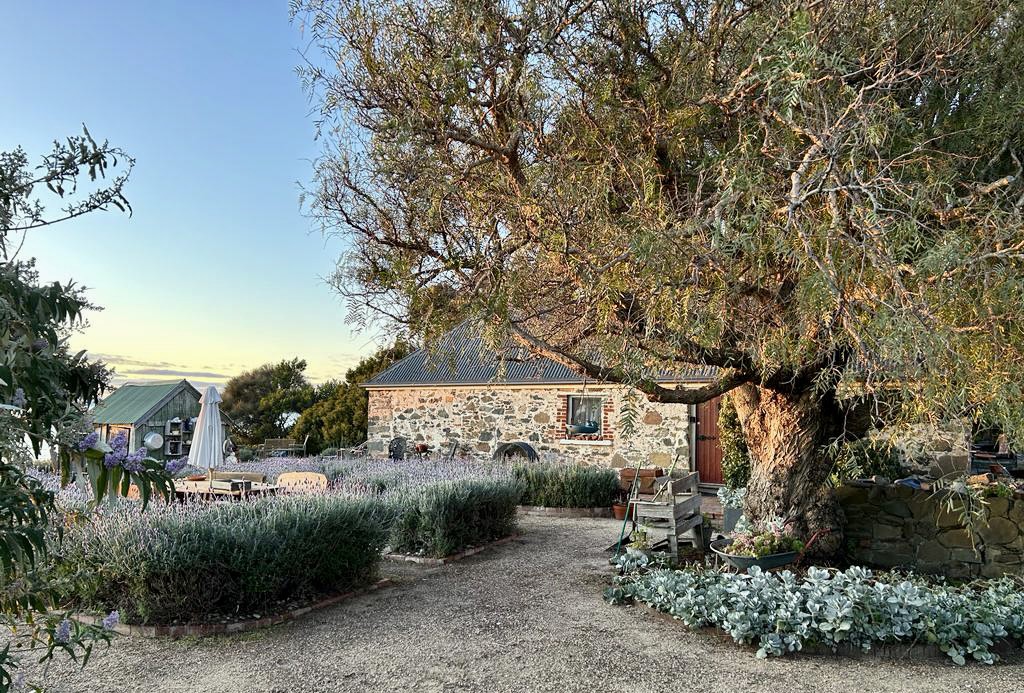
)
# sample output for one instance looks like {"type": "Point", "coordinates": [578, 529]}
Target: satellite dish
{"type": "Point", "coordinates": [153, 440]}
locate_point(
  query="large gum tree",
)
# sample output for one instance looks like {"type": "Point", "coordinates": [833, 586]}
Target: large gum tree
{"type": "Point", "coordinates": [821, 198]}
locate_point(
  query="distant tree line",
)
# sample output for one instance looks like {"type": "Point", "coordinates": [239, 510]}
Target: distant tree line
{"type": "Point", "coordinates": [276, 400]}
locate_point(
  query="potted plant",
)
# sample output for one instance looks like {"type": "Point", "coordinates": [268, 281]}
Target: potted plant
{"type": "Point", "coordinates": [619, 509]}
{"type": "Point", "coordinates": [585, 428]}
{"type": "Point", "coordinates": [620, 506]}
{"type": "Point", "coordinates": [732, 506]}
{"type": "Point", "coordinates": [774, 547]}
{"type": "Point", "coordinates": [640, 543]}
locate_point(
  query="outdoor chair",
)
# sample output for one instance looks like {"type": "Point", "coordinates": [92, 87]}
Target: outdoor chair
{"type": "Point", "coordinates": [396, 449]}
{"type": "Point", "coordinates": [357, 451]}
{"type": "Point", "coordinates": [301, 482]}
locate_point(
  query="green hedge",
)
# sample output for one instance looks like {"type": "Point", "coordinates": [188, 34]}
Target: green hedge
{"type": "Point", "coordinates": [187, 563]}
{"type": "Point", "coordinates": [567, 486]}
{"type": "Point", "coordinates": [443, 518]}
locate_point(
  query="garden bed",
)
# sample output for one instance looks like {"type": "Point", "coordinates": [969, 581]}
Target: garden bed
{"type": "Point", "coordinates": [781, 613]}
{"type": "Point", "coordinates": [200, 563]}
{"type": "Point", "coordinates": [196, 562]}
{"type": "Point", "coordinates": [181, 630]}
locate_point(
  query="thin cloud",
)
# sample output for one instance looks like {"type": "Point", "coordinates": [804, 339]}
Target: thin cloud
{"type": "Point", "coordinates": [181, 373]}
{"type": "Point", "coordinates": [118, 360]}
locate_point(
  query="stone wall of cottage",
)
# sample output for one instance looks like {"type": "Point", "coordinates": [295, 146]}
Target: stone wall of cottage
{"type": "Point", "coordinates": [481, 418]}
{"type": "Point", "coordinates": [898, 527]}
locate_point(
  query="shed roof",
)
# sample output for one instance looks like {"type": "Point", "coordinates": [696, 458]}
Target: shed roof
{"type": "Point", "coordinates": [462, 358]}
{"type": "Point", "coordinates": [130, 404]}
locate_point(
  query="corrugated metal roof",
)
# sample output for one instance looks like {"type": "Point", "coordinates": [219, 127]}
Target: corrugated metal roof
{"type": "Point", "coordinates": [128, 404]}
{"type": "Point", "coordinates": [461, 358]}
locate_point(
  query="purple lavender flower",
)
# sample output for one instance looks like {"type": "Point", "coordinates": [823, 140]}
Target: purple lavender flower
{"type": "Point", "coordinates": [87, 442]}
{"type": "Point", "coordinates": [62, 633]}
{"type": "Point", "coordinates": [112, 619]}
{"type": "Point", "coordinates": [174, 466]}
{"type": "Point", "coordinates": [19, 398]}
{"type": "Point", "coordinates": [133, 462]}
{"type": "Point", "coordinates": [119, 451]}
{"type": "Point", "coordinates": [120, 441]}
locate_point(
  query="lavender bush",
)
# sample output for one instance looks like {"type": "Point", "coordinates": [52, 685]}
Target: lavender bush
{"type": "Point", "coordinates": [567, 486]}
{"type": "Point", "coordinates": [189, 561]}
{"type": "Point", "coordinates": [432, 507]}
{"type": "Point", "coordinates": [442, 518]}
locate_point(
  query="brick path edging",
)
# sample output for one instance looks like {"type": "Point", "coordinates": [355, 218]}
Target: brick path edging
{"type": "Point", "coordinates": [206, 629]}
{"type": "Point", "coordinates": [542, 511]}
{"type": "Point", "coordinates": [426, 560]}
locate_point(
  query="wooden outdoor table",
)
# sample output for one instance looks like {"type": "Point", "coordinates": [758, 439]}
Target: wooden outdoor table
{"type": "Point", "coordinates": [183, 489]}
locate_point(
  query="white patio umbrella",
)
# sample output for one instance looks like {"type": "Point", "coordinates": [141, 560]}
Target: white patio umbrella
{"type": "Point", "coordinates": [207, 449]}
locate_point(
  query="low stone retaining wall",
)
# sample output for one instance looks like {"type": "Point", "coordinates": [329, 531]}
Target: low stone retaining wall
{"type": "Point", "coordinates": [205, 629]}
{"type": "Point", "coordinates": [900, 527]}
{"type": "Point", "coordinates": [542, 511]}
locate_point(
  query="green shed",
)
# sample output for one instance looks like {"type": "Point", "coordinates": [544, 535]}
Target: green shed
{"type": "Point", "coordinates": [169, 409]}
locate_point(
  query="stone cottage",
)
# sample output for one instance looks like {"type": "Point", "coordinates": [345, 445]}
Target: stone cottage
{"type": "Point", "coordinates": [464, 393]}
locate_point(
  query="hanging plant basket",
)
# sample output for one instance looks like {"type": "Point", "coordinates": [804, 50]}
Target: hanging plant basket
{"type": "Point", "coordinates": [775, 560]}
{"type": "Point", "coordinates": [586, 428]}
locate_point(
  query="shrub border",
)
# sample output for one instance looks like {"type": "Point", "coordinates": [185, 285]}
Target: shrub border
{"type": "Point", "coordinates": [426, 560]}
{"type": "Point", "coordinates": [892, 651]}
{"type": "Point", "coordinates": [546, 511]}
{"type": "Point", "coordinates": [206, 629]}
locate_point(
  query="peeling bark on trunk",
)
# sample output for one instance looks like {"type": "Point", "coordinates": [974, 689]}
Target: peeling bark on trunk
{"type": "Point", "coordinates": [789, 473]}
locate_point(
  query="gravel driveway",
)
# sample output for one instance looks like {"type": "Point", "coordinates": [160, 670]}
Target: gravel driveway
{"type": "Point", "coordinates": [527, 616]}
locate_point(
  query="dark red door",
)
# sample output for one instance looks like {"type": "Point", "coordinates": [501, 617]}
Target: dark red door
{"type": "Point", "coordinates": [708, 452]}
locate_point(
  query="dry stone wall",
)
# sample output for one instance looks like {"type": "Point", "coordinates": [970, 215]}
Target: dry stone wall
{"type": "Point", "coordinates": [481, 418]}
{"type": "Point", "coordinates": [899, 527]}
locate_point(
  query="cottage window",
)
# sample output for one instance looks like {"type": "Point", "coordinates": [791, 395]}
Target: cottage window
{"type": "Point", "coordinates": [584, 410]}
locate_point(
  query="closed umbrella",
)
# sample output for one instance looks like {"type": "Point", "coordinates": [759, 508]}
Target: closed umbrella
{"type": "Point", "coordinates": [207, 449]}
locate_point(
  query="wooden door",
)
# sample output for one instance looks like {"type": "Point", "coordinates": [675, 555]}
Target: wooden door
{"type": "Point", "coordinates": [708, 453]}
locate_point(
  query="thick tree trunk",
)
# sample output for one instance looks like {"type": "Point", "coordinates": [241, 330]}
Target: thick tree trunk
{"type": "Point", "coordinates": [789, 473]}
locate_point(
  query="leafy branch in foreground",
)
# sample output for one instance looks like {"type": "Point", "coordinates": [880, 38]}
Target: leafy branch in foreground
{"type": "Point", "coordinates": [45, 389]}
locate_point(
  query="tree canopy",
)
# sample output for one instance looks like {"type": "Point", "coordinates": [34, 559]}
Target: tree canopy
{"type": "Point", "coordinates": [816, 197]}
{"type": "Point", "coordinates": [338, 416]}
{"type": "Point", "coordinates": [792, 191]}
{"type": "Point", "coordinates": [38, 370]}
{"type": "Point", "coordinates": [263, 402]}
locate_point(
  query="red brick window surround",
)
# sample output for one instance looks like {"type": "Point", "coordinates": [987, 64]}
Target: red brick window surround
{"type": "Point", "coordinates": [572, 404]}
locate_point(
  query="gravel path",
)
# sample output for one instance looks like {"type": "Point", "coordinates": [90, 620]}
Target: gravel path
{"type": "Point", "coordinates": [527, 616]}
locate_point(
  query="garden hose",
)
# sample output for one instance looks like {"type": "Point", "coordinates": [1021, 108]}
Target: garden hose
{"type": "Point", "coordinates": [629, 505]}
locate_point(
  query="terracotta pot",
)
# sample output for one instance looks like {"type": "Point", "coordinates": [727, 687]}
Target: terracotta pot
{"type": "Point", "coordinates": [619, 510]}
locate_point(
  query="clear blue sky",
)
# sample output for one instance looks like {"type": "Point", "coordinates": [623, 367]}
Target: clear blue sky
{"type": "Point", "coordinates": [217, 270]}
